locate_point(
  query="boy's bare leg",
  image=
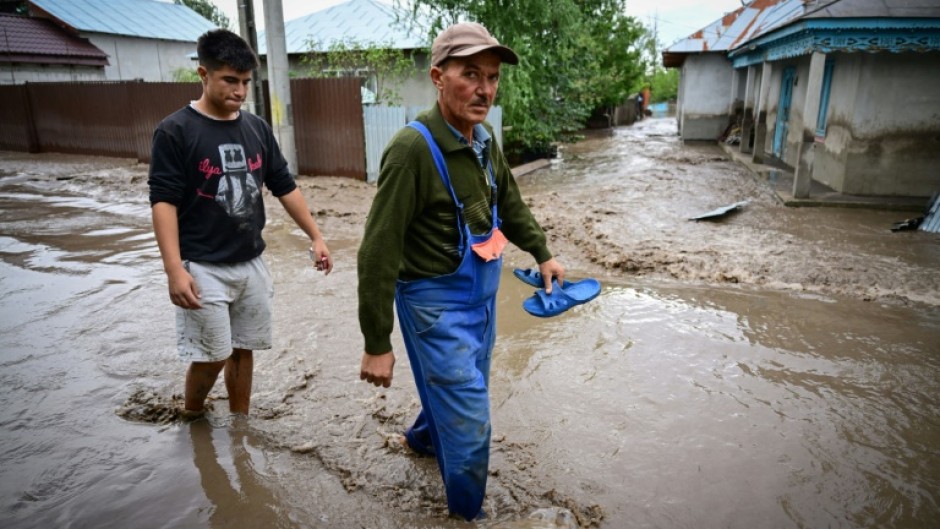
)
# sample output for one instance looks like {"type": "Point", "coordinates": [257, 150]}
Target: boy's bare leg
{"type": "Point", "coordinates": [200, 377]}
{"type": "Point", "coordinates": [238, 370]}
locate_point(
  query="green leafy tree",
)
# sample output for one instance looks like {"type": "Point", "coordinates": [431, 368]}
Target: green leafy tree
{"type": "Point", "coordinates": [663, 83]}
{"type": "Point", "coordinates": [208, 10]}
{"type": "Point", "coordinates": [384, 68]}
{"type": "Point", "coordinates": [17, 7]}
{"type": "Point", "coordinates": [186, 75]}
{"type": "Point", "coordinates": [576, 55]}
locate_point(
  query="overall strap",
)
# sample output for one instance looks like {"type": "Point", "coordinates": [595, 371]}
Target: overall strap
{"type": "Point", "coordinates": [438, 158]}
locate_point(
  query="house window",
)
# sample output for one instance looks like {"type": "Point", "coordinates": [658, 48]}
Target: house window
{"type": "Point", "coordinates": [369, 80]}
{"type": "Point", "coordinates": [824, 99]}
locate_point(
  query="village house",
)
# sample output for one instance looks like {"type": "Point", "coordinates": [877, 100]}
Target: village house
{"type": "Point", "coordinates": [34, 50]}
{"type": "Point", "coordinates": [843, 92]}
{"type": "Point", "coordinates": [144, 40]}
{"type": "Point", "coordinates": [366, 22]}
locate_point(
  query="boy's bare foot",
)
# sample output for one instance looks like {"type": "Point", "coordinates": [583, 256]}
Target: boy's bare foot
{"type": "Point", "coordinates": [190, 415]}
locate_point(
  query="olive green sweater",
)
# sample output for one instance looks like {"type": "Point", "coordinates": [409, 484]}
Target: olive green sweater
{"type": "Point", "coordinates": [411, 231]}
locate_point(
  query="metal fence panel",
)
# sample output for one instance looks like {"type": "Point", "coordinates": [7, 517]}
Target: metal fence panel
{"type": "Point", "coordinates": [381, 123]}
{"type": "Point", "coordinates": [495, 118]}
{"type": "Point", "coordinates": [83, 118]}
{"type": "Point", "coordinates": [16, 133]}
{"type": "Point", "coordinates": [328, 127]}
{"type": "Point", "coordinates": [335, 135]}
{"type": "Point", "coordinates": [98, 118]}
{"type": "Point", "coordinates": [150, 103]}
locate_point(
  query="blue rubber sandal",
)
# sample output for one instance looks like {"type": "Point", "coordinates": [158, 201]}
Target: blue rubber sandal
{"type": "Point", "coordinates": [529, 276]}
{"type": "Point", "coordinates": [561, 299]}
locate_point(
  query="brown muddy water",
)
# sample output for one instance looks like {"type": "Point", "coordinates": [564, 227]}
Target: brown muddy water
{"type": "Point", "coordinates": [779, 368]}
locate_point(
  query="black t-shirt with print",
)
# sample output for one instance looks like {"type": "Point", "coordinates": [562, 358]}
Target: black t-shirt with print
{"type": "Point", "coordinates": [212, 171]}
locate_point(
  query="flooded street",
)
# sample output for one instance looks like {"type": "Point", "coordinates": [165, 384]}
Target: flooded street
{"type": "Point", "coordinates": [776, 368]}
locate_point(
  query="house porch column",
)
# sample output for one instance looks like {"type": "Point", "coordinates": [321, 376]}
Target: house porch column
{"type": "Point", "coordinates": [747, 123]}
{"type": "Point", "coordinates": [803, 177]}
{"type": "Point", "coordinates": [760, 127]}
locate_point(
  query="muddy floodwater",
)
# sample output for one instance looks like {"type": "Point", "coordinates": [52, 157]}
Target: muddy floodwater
{"type": "Point", "coordinates": [777, 368]}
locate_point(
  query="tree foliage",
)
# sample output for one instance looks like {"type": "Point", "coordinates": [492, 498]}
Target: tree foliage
{"type": "Point", "coordinates": [384, 67]}
{"type": "Point", "coordinates": [575, 56]}
{"type": "Point", "coordinates": [664, 85]}
{"type": "Point", "coordinates": [662, 82]}
{"type": "Point", "coordinates": [208, 10]}
{"type": "Point", "coordinates": [16, 7]}
{"type": "Point", "coordinates": [186, 75]}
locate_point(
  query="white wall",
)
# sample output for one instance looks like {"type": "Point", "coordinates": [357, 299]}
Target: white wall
{"type": "Point", "coordinates": [148, 59]}
{"type": "Point", "coordinates": [35, 73]}
{"type": "Point", "coordinates": [883, 127]}
{"type": "Point", "coordinates": [705, 92]}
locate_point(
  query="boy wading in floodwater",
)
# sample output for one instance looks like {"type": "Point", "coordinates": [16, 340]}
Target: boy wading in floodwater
{"type": "Point", "coordinates": [209, 163]}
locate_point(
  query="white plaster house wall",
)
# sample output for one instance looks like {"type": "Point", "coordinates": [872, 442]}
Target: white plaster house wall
{"type": "Point", "coordinates": [36, 73]}
{"type": "Point", "coordinates": [883, 125]}
{"type": "Point", "coordinates": [706, 85]}
{"type": "Point", "coordinates": [147, 59]}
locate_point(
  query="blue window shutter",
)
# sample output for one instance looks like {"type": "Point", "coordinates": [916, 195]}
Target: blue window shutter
{"type": "Point", "coordinates": [824, 99]}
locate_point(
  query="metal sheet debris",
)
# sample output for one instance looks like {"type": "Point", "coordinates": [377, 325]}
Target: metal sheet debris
{"type": "Point", "coordinates": [931, 222]}
{"type": "Point", "coordinates": [720, 212]}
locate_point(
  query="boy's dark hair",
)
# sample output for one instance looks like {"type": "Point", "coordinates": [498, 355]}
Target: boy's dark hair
{"type": "Point", "coordinates": [221, 47]}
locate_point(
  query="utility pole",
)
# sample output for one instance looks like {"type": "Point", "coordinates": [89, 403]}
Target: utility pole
{"type": "Point", "coordinates": [249, 32]}
{"type": "Point", "coordinates": [282, 120]}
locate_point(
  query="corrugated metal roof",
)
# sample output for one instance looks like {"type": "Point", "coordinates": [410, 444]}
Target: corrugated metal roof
{"type": "Point", "coordinates": [364, 21]}
{"type": "Point", "coordinates": [763, 16]}
{"type": "Point", "coordinates": [132, 18]}
{"type": "Point", "coordinates": [875, 9]}
{"type": "Point", "coordinates": [740, 25]}
{"type": "Point", "coordinates": [36, 40]}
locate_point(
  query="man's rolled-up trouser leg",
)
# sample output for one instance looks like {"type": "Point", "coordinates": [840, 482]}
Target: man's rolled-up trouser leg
{"type": "Point", "coordinates": [447, 348]}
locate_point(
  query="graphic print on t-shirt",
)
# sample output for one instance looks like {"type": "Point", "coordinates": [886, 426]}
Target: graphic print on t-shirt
{"type": "Point", "coordinates": [238, 190]}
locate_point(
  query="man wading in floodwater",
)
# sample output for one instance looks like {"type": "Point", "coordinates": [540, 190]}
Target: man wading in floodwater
{"type": "Point", "coordinates": [445, 206]}
{"type": "Point", "coordinates": [209, 162]}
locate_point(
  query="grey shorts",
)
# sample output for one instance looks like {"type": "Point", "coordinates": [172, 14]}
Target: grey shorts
{"type": "Point", "coordinates": [235, 313]}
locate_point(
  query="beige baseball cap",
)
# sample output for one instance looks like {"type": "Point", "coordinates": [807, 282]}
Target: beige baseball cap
{"type": "Point", "coordinates": [466, 39]}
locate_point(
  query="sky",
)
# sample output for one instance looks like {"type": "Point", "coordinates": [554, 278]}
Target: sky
{"type": "Point", "coordinates": [674, 19]}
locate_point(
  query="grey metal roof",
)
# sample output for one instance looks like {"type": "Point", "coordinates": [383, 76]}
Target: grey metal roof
{"type": "Point", "coordinates": [132, 18]}
{"type": "Point", "coordinates": [875, 9]}
{"type": "Point", "coordinates": [364, 21]}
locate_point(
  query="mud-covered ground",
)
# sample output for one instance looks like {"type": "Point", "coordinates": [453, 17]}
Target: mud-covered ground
{"type": "Point", "coordinates": [618, 205]}
{"type": "Point", "coordinates": [769, 284]}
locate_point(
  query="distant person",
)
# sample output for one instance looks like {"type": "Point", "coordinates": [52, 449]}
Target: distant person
{"type": "Point", "coordinates": [639, 106]}
{"type": "Point", "coordinates": [433, 245]}
{"type": "Point", "coordinates": [209, 163]}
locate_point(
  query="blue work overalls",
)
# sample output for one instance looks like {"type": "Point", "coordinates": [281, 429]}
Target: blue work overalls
{"type": "Point", "coordinates": [448, 324]}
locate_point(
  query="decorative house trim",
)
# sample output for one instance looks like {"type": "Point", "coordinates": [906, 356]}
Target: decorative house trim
{"type": "Point", "coordinates": [847, 36]}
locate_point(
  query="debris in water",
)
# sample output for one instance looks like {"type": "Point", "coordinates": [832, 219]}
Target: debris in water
{"type": "Point", "coordinates": [931, 221]}
{"type": "Point", "coordinates": [720, 212]}
{"type": "Point", "coordinates": [907, 224]}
